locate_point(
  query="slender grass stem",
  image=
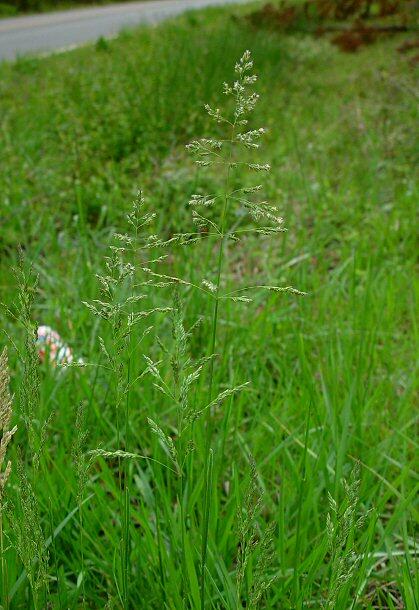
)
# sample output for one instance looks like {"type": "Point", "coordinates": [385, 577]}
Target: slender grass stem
{"type": "Point", "coordinates": [296, 580]}
{"type": "Point", "coordinates": [4, 580]}
{"type": "Point", "coordinates": [81, 535]}
{"type": "Point", "coordinates": [208, 420]}
{"type": "Point", "coordinates": [207, 506]}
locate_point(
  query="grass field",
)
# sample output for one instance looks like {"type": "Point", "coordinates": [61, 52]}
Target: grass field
{"type": "Point", "coordinates": [242, 521]}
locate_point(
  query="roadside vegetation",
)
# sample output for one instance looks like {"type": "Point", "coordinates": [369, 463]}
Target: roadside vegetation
{"type": "Point", "coordinates": [240, 429]}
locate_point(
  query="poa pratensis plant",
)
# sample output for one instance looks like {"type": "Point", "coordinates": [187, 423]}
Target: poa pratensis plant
{"type": "Point", "coordinates": [127, 281]}
{"type": "Point", "coordinates": [226, 155]}
{"type": "Point", "coordinates": [214, 217]}
{"type": "Point", "coordinates": [118, 308]}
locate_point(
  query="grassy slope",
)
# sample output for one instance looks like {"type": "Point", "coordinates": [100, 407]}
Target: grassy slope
{"type": "Point", "coordinates": [81, 132]}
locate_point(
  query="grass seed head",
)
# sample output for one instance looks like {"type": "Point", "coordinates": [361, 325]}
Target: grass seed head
{"type": "Point", "coordinates": [5, 418]}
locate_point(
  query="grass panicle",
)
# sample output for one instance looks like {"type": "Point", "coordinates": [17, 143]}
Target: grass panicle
{"type": "Point", "coordinates": [343, 526]}
{"type": "Point", "coordinates": [7, 433]}
{"type": "Point", "coordinates": [29, 395]}
{"type": "Point", "coordinates": [28, 537]}
{"type": "Point", "coordinates": [251, 543]}
{"type": "Point", "coordinates": [6, 430]}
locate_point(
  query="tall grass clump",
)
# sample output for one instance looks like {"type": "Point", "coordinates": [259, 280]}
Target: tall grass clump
{"type": "Point", "coordinates": [190, 385]}
{"type": "Point", "coordinates": [222, 218]}
{"type": "Point", "coordinates": [215, 216]}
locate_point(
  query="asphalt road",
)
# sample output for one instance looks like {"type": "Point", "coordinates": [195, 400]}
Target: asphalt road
{"type": "Point", "coordinates": [66, 29]}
